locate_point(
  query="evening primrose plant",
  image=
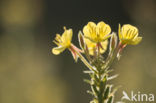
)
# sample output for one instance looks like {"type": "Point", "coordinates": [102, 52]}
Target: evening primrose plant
{"type": "Point", "coordinates": [94, 41]}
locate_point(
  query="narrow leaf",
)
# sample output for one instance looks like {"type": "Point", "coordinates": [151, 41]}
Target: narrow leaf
{"type": "Point", "coordinates": [107, 91]}
{"type": "Point", "coordinates": [110, 100]}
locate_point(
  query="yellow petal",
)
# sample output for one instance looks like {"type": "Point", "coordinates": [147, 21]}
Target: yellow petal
{"type": "Point", "coordinates": [103, 29]}
{"type": "Point", "coordinates": [136, 40]}
{"type": "Point", "coordinates": [126, 41]}
{"type": "Point", "coordinates": [108, 36]}
{"type": "Point", "coordinates": [67, 35]}
{"type": "Point", "coordinates": [86, 31]}
{"type": "Point", "coordinates": [104, 46]}
{"type": "Point", "coordinates": [91, 25]}
{"type": "Point", "coordinates": [58, 50]}
{"type": "Point", "coordinates": [128, 30]}
{"type": "Point", "coordinates": [91, 45]}
{"type": "Point", "coordinates": [90, 30]}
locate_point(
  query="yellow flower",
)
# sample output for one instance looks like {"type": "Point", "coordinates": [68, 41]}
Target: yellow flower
{"type": "Point", "coordinates": [92, 46]}
{"type": "Point", "coordinates": [97, 33]}
{"type": "Point", "coordinates": [128, 34]}
{"type": "Point", "coordinates": [63, 41]}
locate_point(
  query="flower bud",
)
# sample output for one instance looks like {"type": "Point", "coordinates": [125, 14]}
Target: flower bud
{"type": "Point", "coordinates": [113, 42]}
{"type": "Point", "coordinates": [81, 40]}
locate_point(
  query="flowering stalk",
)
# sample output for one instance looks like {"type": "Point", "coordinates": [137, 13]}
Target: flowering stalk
{"type": "Point", "coordinates": [85, 61]}
{"type": "Point", "coordinates": [94, 42]}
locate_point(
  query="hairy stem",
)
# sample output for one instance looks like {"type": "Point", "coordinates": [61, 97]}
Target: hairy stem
{"type": "Point", "coordinates": [85, 61]}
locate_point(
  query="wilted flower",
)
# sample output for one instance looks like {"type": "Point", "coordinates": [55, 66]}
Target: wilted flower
{"type": "Point", "coordinates": [97, 33]}
{"type": "Point", "coordinates": [63, 41]}
{"type": "Point", "coordinates": [128, 34]}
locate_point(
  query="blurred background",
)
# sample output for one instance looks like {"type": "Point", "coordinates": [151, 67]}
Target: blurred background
{"type": "Point", "coordinates": [30, 73]}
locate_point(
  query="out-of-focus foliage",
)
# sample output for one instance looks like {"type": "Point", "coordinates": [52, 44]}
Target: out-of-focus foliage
{"type": "Point", "coordinates": [27, 73]}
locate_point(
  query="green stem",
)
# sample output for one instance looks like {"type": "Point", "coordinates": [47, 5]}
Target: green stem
{"type": "Point", "coordinates": [85, 61]}
{"type": "Point", "coordinates": [112, 56]}
{"type": "Point", "coordinates": [100, 94]}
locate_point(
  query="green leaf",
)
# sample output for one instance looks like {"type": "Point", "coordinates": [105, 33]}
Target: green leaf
{"type": "Point", "coordinates": [88, 72]}
{"type": "Point", "coordinates": [87, 81]}
{"type": "Point", "coordinates": [94, 89]}
{"type": "Point", "coordinates": [107, 91]}
{"type": "Point", "coordinates": [110, 99]}
{"type": "Point", "coordinates": [113, 77]}
{"type": "Point", "coordinates": [102, 86]}
{"type": "Point", "coordinates": [90, 92]}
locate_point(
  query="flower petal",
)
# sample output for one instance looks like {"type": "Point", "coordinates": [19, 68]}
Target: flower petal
{"type": "Point", "coordinates": [136, 41]}
{"type": "Point", "coordinates": [67, 36]}
{"type": "Point", "coordinates": [58, 50]}
{"type": "Point", "coordinates": [91, 25]}
{"type": "Point", "coordinates": [103, 29]}
{"type": "Point", "coordinates": [91, 45]}
{"type": "Point", "coordinates": [127, 28]}
{"type": "Point", "coordinates": [104, 46]}
{"type": "Point", "coordinates": [90, 30]}
{"type": "Point", "coordinates": [106, 37]}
